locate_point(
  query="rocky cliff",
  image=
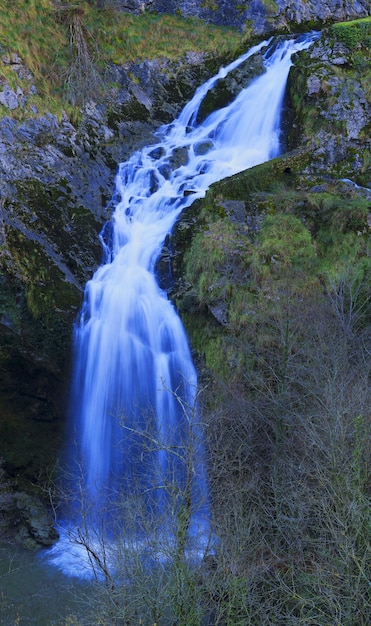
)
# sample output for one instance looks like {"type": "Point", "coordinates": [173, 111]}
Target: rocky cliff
{"type": "Point", "coordinates": [236, 262]}
{"type": "Point", "coordinates": [57, 178]}
{"type": "Point", "coordinates": [261, 16]}
{"type": "Point", "coordinates": [56, 187]}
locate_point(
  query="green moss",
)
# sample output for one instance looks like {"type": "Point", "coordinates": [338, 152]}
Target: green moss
{"type": "Point", "coordinates": [323, 94]}
{"type": "Point", "coordinates": [216, 256]}
{"type": "Point", "coordinates": [50, 212]}
{"type": "Point", "coordinates": [340, 213]}
{"type": "Point", "coordinates": [248, 274]}
{"type": "Point", "coordinates": [271, 6]}
{"type": "Point", "coordinates": [284, 239]}
{"type": "Point", "coordinates": [45, 285]}
{"type": "Point", "coordinates": [9, 307]}
{"type": "Point", "coordinates": [354, 33]}
{"type": "Point", "coordinates": [210, 5]}
{"type": "Point", "coordinates": [242, 310]}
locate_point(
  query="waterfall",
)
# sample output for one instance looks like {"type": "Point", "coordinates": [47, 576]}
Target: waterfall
{"type": "Point", "coordinates": [134, 395]}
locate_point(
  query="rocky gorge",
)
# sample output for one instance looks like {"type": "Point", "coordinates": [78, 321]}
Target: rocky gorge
{"type": "Point", "coordinates": [56, 184]}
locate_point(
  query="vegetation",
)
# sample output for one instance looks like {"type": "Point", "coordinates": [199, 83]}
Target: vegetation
{"type": "Point", "coordinates": [287, 421]}
{"type": "Point", "coordinates": [67, 44]}
{"type": "Point", "coordinates": [287, 401]}
{"type": "Point", "coordinates": [278, 309]}
{"type": "Point", "coordinates": [354, 33]}
{"type": "Point", "coordinates": [324, 97]}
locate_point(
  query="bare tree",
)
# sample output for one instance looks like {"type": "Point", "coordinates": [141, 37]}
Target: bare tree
{"type": "Point", "coordinates": [146, 546]}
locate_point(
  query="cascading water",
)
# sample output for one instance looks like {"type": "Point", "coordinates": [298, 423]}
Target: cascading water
{"type": "Point", "coordinates": [135, 384]}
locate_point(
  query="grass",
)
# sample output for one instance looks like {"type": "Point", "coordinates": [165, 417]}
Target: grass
{"type": "Point", "coordinates": [30, 30]}
{"type": "Point", "coordinates": [363, 20]}
{"type": "Point", "coordinates": [354, 33]}
{"type": "Point", "coordinates": [39, 32]}
{"type": "Point", "coordinates": [123, 37]}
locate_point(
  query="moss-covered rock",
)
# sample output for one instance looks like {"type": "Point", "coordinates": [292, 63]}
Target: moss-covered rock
{"type": "Point", "coordinates": [230, 252]}
{"type": "Point", "coordinates": [330, 95]}
{"type": "Point", "coordinates": [264, 16]}
{"type": "Point", "coordinates": [49, 247]}
{"type": "Point", "coordinates": [286, 234]}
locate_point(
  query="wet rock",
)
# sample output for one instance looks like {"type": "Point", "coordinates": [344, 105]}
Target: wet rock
{"type": "Point", "coordinates": [203, 147]}
{"type": "Point", "coordinates": [23, 517]}
{"type": "Point", "coordinates": [34, 527]}
{"type": "Point", "coordinates": [228, 87]}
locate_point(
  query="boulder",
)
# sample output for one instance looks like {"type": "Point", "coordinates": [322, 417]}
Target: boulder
{"type": "Point", "coordinates": [34, 527]}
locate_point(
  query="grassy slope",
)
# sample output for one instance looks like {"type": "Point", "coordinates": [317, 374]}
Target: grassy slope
{"type": "Point", "coordinates": [41, 33]}
{"type": "Point", "coordinates": [288, 397]}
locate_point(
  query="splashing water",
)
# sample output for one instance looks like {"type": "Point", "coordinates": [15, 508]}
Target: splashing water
{"type": "Point", "coordinates": [135, 386]}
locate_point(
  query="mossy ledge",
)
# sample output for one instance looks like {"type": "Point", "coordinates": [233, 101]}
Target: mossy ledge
{"type": "Point", "coordinates": [274, 222]}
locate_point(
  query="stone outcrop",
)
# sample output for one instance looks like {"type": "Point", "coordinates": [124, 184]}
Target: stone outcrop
{"type": "Point", "coordinates": [23, 517]}
{"type": "Point", "coordinates": [264, 16]}
{"type": "Point", "coordinates": [56, 188]}
{"type": "Point", "coordinates": [330, 95]}
{"type": "Point", "coordinates": [14, 98]}
{"type": "Point", "coordinates": [56, 185]}
{"type": "Point", "coordinates": [33, 525]}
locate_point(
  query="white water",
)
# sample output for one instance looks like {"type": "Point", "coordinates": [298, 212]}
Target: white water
{"type": "Point", "coordinates": [135, 383]}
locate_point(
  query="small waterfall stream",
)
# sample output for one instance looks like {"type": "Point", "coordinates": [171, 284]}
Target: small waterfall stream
{"type": "Point", "coordinates": [135, 386]}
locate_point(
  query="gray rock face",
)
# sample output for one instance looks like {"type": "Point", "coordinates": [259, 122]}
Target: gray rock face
{"type": "Point", "coordinates": [264, 16]}
{"type": "Point", "coordinates": [9, 98]}
{"type": "Point", "coordinates": [134, 6]}
{"type": "Point", "coordinates": [32, 523]}
{"type": "Point", "coordinates": [335, 107]}
{"type": "Point", "coordinates": [23, 517]}
{"type": "Point", "coordinates": [316, 10]}
{"type": "Point", "coordinates": [56, 185]}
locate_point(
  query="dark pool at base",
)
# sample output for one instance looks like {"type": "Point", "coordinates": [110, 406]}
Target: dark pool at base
{"type": "Point", "coordinates": [33, 593]}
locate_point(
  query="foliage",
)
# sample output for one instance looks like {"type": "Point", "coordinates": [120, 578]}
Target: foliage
{"type": "Point", "coordinates": [217, 255]}
{"type": "Point", "coordinates": [287, 405]}
{"type": "Point", "coordinates": [284, 459]}
{"type": "Point", "coordinates": [82, 80]}
{"type": "Point", "coordinates": [289, 463]}
{"type": "Point", "coordinates": [284, 239]}
{"type": "Point", "coordinates": [304, 240]}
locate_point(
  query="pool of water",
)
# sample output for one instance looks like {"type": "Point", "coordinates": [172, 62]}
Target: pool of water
{"type": "Point", "coordinates": [32, 592]}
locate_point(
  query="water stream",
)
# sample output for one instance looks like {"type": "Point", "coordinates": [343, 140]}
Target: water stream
{"type": "Point", "coordinates": [134, 394]}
